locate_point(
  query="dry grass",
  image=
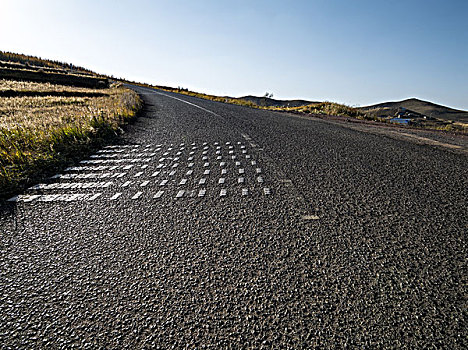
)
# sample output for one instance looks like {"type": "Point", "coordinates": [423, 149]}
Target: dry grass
{"type": "Point", "coordinates": [6, 85]}
{"type": "Point", "coordinates": [38, 133]}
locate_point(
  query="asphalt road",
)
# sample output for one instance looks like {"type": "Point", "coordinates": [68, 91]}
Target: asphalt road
{"type": "Point", "coordinates": [217, 226]}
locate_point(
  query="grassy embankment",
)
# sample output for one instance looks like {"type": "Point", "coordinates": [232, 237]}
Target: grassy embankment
{"type": "Point", "coordinates": [44, 126]}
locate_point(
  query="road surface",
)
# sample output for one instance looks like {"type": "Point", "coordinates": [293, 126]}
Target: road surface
{"type": "Point", "coordinates": [218, 226]}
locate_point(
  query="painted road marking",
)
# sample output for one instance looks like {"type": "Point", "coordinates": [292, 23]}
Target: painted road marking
{"type": "Point", "coordinates": [71, 185]}
{"type": "Point", "coordinates": [115, 196]}
{"type": "Point", "coordinates": [246, 137]}
{"type": "Point", "coordinates": [137, 195]}
{"type": "Point", "coordinates": [108, 161]}
{"type": "Point", "coordinates": [158, 194]}
{"type": "Point", "coordinates": [95, 196]}
{"type": "Point", "coordinates": [23, 198]}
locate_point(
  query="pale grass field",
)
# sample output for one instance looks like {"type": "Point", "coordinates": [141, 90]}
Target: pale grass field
{"type": "Point", "coordinates": [33, 86]}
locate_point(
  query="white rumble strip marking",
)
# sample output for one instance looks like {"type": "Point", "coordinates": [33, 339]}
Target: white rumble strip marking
{"type": "Point", "coordinates": [137, 195]}
{"type": "Point", "coordinates": [158, 194]}
{"type": "Point", "coordinates": [115, 196]}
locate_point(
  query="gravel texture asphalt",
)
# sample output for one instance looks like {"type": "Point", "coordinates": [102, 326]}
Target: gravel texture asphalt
{"type": "Point", "coordinates": [303, 234]}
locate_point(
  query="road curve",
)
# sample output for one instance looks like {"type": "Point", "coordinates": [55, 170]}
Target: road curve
{"type": "Point", "coordinates": [218, 226]}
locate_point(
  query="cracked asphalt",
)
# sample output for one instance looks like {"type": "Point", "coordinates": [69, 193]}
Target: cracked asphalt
{"type": "Point", "coordinates": [359, 242]}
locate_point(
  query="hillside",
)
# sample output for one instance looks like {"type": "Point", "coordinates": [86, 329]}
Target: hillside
{"type": "Point", "coordinates": [20, 61]}
{"type": "Point", "coordinates": [424, 108]}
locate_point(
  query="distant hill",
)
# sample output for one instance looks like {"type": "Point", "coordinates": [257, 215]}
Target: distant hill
{"type": "Point", "coordinates": [271, 102]}
{"type": "Point", "coordinates": [423, 108]}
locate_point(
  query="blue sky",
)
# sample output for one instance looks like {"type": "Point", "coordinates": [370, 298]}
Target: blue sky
{"type": "Point", "coordinates": [355, 52]}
